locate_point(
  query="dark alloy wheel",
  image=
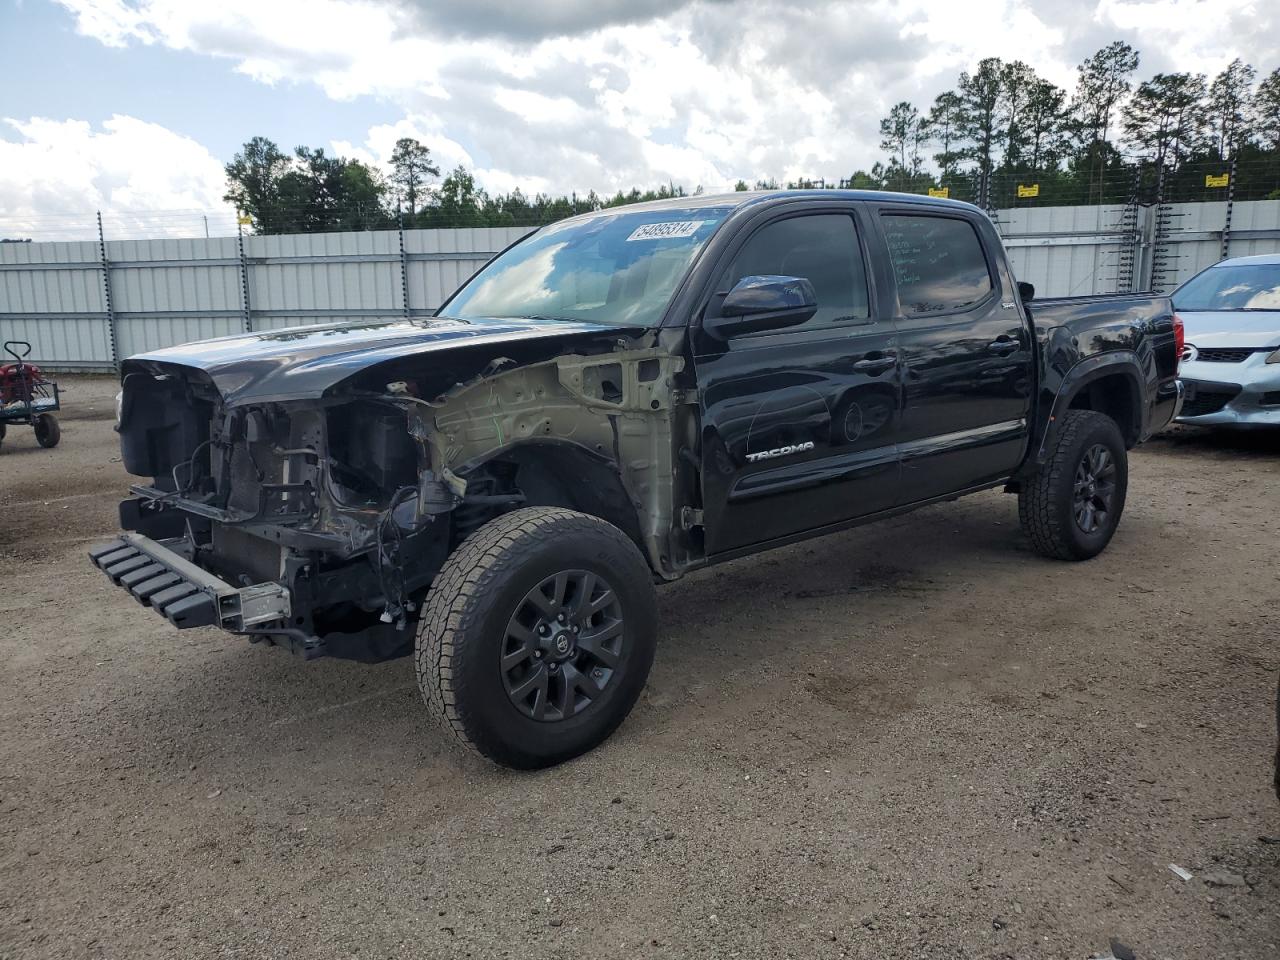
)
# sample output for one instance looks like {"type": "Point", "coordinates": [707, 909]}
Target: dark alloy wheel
{"type": "Point", "coordinates": [562, 645]}
{"type": "Point", "coordinates": [537, 636]}
{"type": "Point", "coordinates": [1095, 488]}
{"type": "Point", "coordinates": [1072, 504]}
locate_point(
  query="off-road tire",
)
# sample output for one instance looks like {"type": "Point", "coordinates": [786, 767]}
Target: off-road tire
{"type": "Point", "coordinates": [465, 616]}
{"type": "Point", "coordinates": [47, 430]}
{"type": "Point", "coordinates": [1045, 501]}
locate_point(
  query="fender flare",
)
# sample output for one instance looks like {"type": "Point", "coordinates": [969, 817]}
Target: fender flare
{"type": "Point", "coordinates": [1078, 377]}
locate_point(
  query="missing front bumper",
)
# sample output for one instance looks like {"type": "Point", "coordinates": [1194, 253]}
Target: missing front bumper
{"type": "Point", "coordinates": [185, 594]}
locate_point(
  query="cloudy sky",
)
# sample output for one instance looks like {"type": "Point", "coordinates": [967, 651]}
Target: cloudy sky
{"type": "Point", "coordinates": [133, 106]}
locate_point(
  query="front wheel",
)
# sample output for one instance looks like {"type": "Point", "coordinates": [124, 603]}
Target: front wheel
{"type": "Point", "coordinates": [537, 636]}
{"type": "Point", "coordinates": [1071, 507]}
{"type": "Point", "coordinates": [48, 433]}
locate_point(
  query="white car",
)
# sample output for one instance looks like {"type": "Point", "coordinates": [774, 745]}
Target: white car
{"type": "Point", "coordinates": [1231, 361]}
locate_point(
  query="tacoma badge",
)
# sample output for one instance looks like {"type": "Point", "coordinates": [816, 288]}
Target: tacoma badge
{"type": "Point", "coordinates": [781, 451]}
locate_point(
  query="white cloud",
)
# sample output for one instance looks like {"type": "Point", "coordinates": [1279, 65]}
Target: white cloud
{"type": "Point", "coordinates": [561, 95]}
{"type": "Point", "coordinates": [60, 172]}
{"type": "Point", "coordinates": [700, 93]}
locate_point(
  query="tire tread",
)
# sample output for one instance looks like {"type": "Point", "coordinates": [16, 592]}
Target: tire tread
{"type": "Point", "coordinates": [456, 603]}
{"type": "Point", "coordinates": [1039, 500]}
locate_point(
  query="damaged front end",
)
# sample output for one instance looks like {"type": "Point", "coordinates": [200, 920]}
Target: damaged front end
{"type": "Point", "coordinates": [318, 522]}
{"type": "Point", "coordinates": [327, 506]}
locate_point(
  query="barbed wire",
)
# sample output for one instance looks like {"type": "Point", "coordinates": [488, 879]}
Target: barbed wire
{"type": "Point", "coordinates": [1003, 189]}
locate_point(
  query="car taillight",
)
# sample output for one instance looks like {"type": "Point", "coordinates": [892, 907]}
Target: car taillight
{"type": "Point", "coordinates": [1179, 338]}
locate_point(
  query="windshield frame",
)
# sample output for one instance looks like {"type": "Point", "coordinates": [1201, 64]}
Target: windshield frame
{"type": "Point", "coordinates": [1224, 266]}
{"type": "Point", "coordinates": [724, 212]}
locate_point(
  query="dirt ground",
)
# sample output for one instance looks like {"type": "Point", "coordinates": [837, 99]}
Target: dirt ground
{"type": "Point", "coordinates": [915, 739]}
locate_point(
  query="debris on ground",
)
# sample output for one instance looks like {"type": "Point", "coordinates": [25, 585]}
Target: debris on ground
{"type": "Point", "coordinates": [1223, 878]}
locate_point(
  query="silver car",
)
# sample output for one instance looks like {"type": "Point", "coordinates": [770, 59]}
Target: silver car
{"type": "Point", "coordinates": [1231, 361]}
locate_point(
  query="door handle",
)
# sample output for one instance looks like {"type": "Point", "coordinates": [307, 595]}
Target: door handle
{"type": "Point", "coordinates": [877, 365]}
{"type": "Point", "coordinates": [1003, 345]}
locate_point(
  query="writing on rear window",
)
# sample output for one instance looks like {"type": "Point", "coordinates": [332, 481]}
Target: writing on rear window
{"type": "Point", "coordinates": [666, 231]}
{"type": "Point", "coordinates": [938, 263]}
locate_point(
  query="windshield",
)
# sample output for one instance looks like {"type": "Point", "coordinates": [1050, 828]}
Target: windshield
{"type": "Point", "coordinates": [619, 268]}
{"type": "Point", "coordinates": [1254, 286]}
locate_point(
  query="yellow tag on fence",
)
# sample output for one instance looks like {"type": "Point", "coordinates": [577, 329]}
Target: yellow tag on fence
{"type": "Point", "coordinates": [1028, 191]}
{"type": "Point", "coordinates": [1219, 181]}
{"type": "Point", "coordinates": [943, 192]}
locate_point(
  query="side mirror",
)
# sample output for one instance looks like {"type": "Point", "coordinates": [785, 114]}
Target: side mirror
{"type": "Point", "coordinates": [1027, 291]}
{"type": "Point", "coordinates": [756, 304]}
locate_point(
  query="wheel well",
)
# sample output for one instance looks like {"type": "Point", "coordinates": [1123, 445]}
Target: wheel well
{"type": "Point", "coordinates": [549, 474]}
{"type": "Point", "coordinates": [1116, 395]}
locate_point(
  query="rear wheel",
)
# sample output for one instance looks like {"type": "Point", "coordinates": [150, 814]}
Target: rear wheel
{"type": "Point", "coordinates": [1070, 509]}
{"type": "Point", "coordinates": [537, 636]}
{"type": "Point", "coordinates": [48, 433]}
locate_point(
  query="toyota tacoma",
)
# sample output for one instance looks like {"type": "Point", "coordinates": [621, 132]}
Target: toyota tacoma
{"type": "Point", "coordinates": [614, 401]}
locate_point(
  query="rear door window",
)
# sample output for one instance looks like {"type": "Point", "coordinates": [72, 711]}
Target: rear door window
{"type": "Point", "coordinates": [938, 263]}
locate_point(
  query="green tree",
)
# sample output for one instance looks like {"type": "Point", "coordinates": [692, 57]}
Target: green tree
{"type": "Point", "coordinates": [901, 136]}
{"type": "Point", "coordinates": [981, 99]}
{"type": "Point", "coordinates": [321, 193]}
{"type": "Point", "coordinates": [1102, 81]}
{"type": "Point", "coordinates": [253, 182]}
{"type": "Point", "coordinates": [862, 180]}
{"type": "Point", "coordinates": [1228, 110]}
{"type": "Point", "coordinates": [459, 203]}
{"type": "Point", "coordinates": [1045, 124]}
{"type": "Point", "coordinates": [943, 126]}
{"type": "Point", "coordinates": [1165, 119]}
{"type": "Point", "coordinates": [411, 166]}
{"type": "Point", "coordinates": [1017, 80]}
{"type": "Point", "coordinates": [1265, 114]}
{"type": "Point", "coordinates": [362, 198]}
{"type": "Point", "coordinates": [740, 186]}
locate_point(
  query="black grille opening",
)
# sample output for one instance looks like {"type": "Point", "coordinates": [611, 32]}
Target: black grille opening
{"type": "Point", "coordinates": [1270, 399]}
{"type": "Point", "coordinates": [1225, 354]}
{"type": "Point", "coordinates": [1207, 400]}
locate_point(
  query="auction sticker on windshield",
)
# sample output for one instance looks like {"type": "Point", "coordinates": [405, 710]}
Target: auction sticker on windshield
{"type": "Point", "coordinates": [666, 231]}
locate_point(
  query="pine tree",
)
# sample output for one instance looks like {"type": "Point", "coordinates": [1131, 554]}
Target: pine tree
{"type": "Point", "coordinates": [1265, 112]}
{"type": "Point", "coordinates": [1165, 120]}
{"type": "Point", "coordinates": [943, 126]}
{"type": "Point", "coordinates": [1228, 108]}
{"type": "Point", "coordinates": [411, 165]}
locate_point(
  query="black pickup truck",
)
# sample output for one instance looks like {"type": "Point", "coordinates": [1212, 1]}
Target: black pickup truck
{"type": "Point", "coordinates": [614, 401]}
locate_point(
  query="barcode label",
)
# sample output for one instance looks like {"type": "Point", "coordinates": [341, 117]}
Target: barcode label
{"type": "Point", "coordinates": [666, 231]}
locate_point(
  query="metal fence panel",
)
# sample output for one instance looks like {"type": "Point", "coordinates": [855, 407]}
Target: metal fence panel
{"type": "Point", "coordinates": [60, 341]}
{"type": "Point", "coordinates": [439, 261]}
{"type": "Point", "coordinates": [174, 276]}
{"type": "Point", "coordinates": [142, 334]}
{"type": "Point", "coordinates": [165, 292]}
{"type": "Point", "coordinates": [309, 277]}
{"type": "Point", "coordinates": [1064, 251]}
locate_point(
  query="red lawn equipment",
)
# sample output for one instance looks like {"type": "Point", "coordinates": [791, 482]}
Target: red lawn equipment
{"type": "Point", "coordinates": [27, 397]}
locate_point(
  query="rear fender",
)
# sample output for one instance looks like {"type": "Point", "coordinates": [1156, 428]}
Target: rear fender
{"type": "Point", "coordinates": [1088, 371]}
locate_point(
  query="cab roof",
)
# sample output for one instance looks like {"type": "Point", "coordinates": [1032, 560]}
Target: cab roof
{"type": "Point", "coordinates": [1261, 259]}
{"type": "Point", "coordinates": [745, 198]}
